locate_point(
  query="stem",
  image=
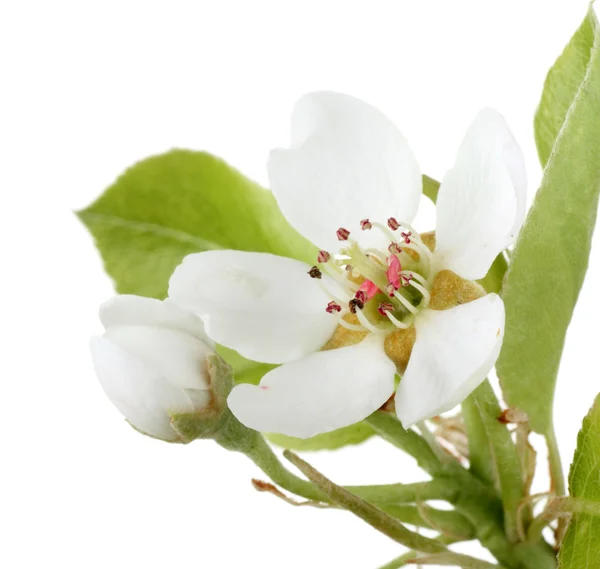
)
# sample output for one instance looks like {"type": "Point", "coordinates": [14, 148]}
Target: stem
{"type": "Point", "coordinates": [437, 489]}
{"type": "Point", "coordinates": [432, 442]}
{"type": "Point", "coordinates": [391, 430]}
{"type": "Point", "coordinates": [506, 462]}
{"type": "Point", "coordinates": [367, 512]}
{"type": "Point", "coordinates": [449, 523]}
{"type": "Point", "coordinates": [480, 455]}
{"type": "Point", "coordinates": [236, 437]}
{"type": "Point", "coordinates": [400, 561]}
{"type": "Point", "coordinates": [557, 476]}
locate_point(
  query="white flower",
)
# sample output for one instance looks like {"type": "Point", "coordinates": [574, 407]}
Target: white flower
{"type": "Point", "coordinates": [344, 334]}
{"type": "Point", "coordinates": [151, 362]}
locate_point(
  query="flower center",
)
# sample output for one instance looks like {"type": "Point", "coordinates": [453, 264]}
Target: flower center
{"type": "Point", "coordinates": [387, 287]}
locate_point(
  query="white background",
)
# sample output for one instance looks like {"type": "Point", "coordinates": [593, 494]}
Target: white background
{"type": "Point", "coordinates": [90, 87]}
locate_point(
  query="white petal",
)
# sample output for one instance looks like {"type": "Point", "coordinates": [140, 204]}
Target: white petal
{"type": "Point", "coordinates": [177, 356]}
{"type": "Point", "coordinates": [128, 309]}
{"type": "Point", "coordinates": [319, 393]}
{"type": "Point", "coordinates": [137, 390]}
{"type": "Point", "coordinates": [265, 307]}
{"type": "Point", "coordinates": [347, 162]}
{"type": "Point", "coordinates": [454, 351]}
{"type": "Point", "coordinates": [481, 203]}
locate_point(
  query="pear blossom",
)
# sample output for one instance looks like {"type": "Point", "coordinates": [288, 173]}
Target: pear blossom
{"type": "Point", "coordinates": [151, 362]}
{"type": "Point", "coordinates": [381, 299]}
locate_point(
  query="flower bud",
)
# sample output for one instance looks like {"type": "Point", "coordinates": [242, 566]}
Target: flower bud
{"type": "Point", "coordinates": [155, 363]}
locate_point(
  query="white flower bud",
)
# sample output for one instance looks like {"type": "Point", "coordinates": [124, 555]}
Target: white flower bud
{"type": "Point", "coordinates": [153, 362]}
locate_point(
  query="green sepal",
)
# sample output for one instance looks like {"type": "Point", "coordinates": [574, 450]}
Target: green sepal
{"type": "Point", "coordinates": [207, 423]}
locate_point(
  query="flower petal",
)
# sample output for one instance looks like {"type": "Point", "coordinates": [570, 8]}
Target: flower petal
{"type": "Point", "coordinates": [129, 309]}
{"type": "Point", "coordinates": [137, 390]}
{"type": "Point", "coordinates": [347, 162]}
{"type": "Point", "coordinates": [454, 351]}
{"type": "Point", "coordinates": [319, 393]}
{"type": "Point", "coordinates": [176, 356]}
{"type": "Point", "coordinates": [265, 307]}
{"type": "Point", "coordinates": [481, 203]}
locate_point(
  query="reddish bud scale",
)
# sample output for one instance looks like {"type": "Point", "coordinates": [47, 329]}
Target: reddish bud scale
{"type": "Point", "coordinates": [342, 234]}
{"type": "Point", "coordinates": [323, 257]}
{"type": "Point", "coordinates": [333, 307]}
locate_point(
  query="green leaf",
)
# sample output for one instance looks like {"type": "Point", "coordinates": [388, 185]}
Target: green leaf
{"type": "Point", "coordinates": [351, 435]}
{"type": "Point", "coordinates": [561, 86]}
{"type": "Point", "coordinates": [431, 188]}
{"type": "Point", "coordinates": [581, 546]}
{"type": "Point", "coordinates": [245, 371]}
{"type": "Point", "coordinates": [551, 258]}
{"type": "Point", "coordinates": [177, 203]}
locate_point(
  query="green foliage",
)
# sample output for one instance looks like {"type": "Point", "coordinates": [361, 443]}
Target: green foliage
{"type": "Point", "coordinates": [246, 371]}
{"type": "Point", "coordinates": [167, 206]}
{"type": "Point", "coordinates": [581, 546]}
{"type": "Point", "coordinates": [561, 86]}
{"type": "Point", "coordinates": [431, 188]}
{"type": "Point", "coordinates": [551, 257]}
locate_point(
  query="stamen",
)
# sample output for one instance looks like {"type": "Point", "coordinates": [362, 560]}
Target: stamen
{"type": "Point", "coordinates": [405, 303]}
{"type": "Point", "coordinates": [423, 291]}
{"type": "Point", "coordinates": [348, 286]}
{"type": "Point", "coordinates": [406, 279]}
{"type": "Point", "coordinates": [361, 296]}
{"type": "Point", "coordinates": [385, 231]}
{"type": "Point", "coordinates": [396, 322]}
{"type": "Point", "coordinates": [413, 275]}
{"type": "Point", "coordinates": [390, 289]}
{"type": "Point", "coordinates": [385, 307]}
{"type": "Point", "coordinates": [393, 223]}
{"type": "Point", "coordinates": [376, 254]}
{"type": "Point", "coordinates": [394, 248]}
{"type": "Point", "coordinates": [323, 257]}
{"type": "Point", "coordinates": [342, 234]}
{"type": "Point", "coordinates": [355, 304]}
{"type": "Point", "coordinates": [328, 293]}
{"type": "Point", "coordinates": [406, 235]}
{"type": "Point", "coordinates": [315, 273]}
{"type": "Point", "coordinates": [333, 307]}
{"type": "Point", "coordinates": [365, 224]}
{"type": "Point", "coordinates": [365, 321]}
{"type": "Point", "coordinates": [353, 327]}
